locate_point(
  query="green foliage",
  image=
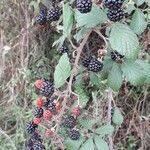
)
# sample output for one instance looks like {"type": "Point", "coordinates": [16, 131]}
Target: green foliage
{"type": "Point", "coordinates": [124, 40]}
{"type": "Point", "coordinates": [115, 77]}
{"type": "Point", "coordinates": [62, 71]}
{"type": "Point", "coordinates": [138, 23]}
{"type": "Point", "coordinates": [105, 130]}
{"type": "Point", "coordinates": [88, 145]}
{"type": "Point", "coordinates": [95, 17]}
{"type": "Point", "coordinates": [117, 117]}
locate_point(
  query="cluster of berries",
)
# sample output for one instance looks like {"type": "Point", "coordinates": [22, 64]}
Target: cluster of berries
{"type": "Point", "coordinates": [84, 6]}
{"type": "Point", "coordinates": [45, 108]}
{"type": "Point", "coordinates": [63, 49]}
{"type": "Point", "coordinates": [115, 12]}
{"type": "Point", "coordinates": [92, 64]}
{"type": "Point", "coordinates": [70, 122]}
{"type": "Point", "coordinates": [45, 16]}
{"type": "Point", "coordinates": [115, 56]}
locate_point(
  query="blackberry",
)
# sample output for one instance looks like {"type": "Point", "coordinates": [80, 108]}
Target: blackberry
{"type": "Point", "coordinates": [47, 89]}
{"type": "Point", "coordinates": [116, 56]}
{"type": "Point", "coordinates": [30, 127]}
{"type": "Point", "coordinates": [29, 144]}
{"type": "Point", "coordinates": [48, 100]}
{"type": "Point", "coordinates": [84, 6]}
{"type": "Point", "coordinates": [74, 134]}
{"type": "Point", "coordinates": [63, 49]}
{"type": "Point", "coordinates": [36, 137]}
{"type": "Point", "coordinates": [70, 122]}
{"type": "Point", "coordinates": [113, 4]}
{"type": "Point", "coordinates": [53, 14]}
{"type": "Point", "coordinates": [38, 112]}
{"type": "Point", "coordinates": [41, 19]}
{"type": "Point", "coordinates": [38, 146]}
{"type": "Point", "coordinates": [95, 65]}
{"type": "Point", "coordinates": [52, 107]}
{"type": "Point", "coordinates": [115, 15]}
{"type": "Point", "coordinates": [87, 61]}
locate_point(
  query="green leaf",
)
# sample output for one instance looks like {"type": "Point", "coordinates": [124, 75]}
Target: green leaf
{"type": "Point", "coordinates": [73, 145]}
{"type": "Point", "coordinates": [146, 69]}
{"type": "Point", "coordinates": [100, 143]}
{"type": "Point", "coordinates": [62, 71]}
{"type": "Point", "coordinates": [95, 79]}
{"type": "Point", "coordinates": [104, 130]}
{"type": "Point", "coordinates": [117, 117]}
{"type": "Point", "coordinates": [68, 17]}
{"type": "Point", "coordinates": [95, 17]}
{"type": "Point", "coordinates": [124, 40]}
{"type": "Point", "coordinates": [115, 77]}
{"type": "Point", "coordinates": [133, 72]}
{"type": "Point", "coordinates": [139, 2]}
{"type": "Point", "coordinates": [86, 123]}
{"type": "Point", "coordinates": [88, 145]}
{"type": "Point", "coordinates": [83, 95]}
{"type": "Point", "coordinates": [138, 23]}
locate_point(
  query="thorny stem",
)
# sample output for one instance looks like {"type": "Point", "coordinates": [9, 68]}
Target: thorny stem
{"type": "Point", "coordinates": [74, 71]}
{"type": "Point", "coordinates": [110, 99]}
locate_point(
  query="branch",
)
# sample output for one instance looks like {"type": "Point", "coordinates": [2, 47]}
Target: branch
{"type": "Point", "coordinates": [110, 99]}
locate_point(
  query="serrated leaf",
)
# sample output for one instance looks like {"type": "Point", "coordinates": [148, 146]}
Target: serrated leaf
{"type": "Point", "coordinates": [115, 77]}
{"type": "Point", "coordinates": [68, 17]}
{"type": "Point", "coordinates": [95, 17]}
{"type": "Point", "coordinates": [100, 143]}
{"type": "Point", "coordinates": [138, 23]}
{"type": "Point", "coordinates": [104, 130]}
{"type": "Point", "coordinates": [88, 145]}
{"type": "Point", "coordinates": [124, 40]}
{"type": "Point", "coordinates": [139, 2]}
{"type": "Point", "coordinates": [73, 145]}
{"type": "Point", "coordinates": [86, 123]}
{"type": "Point", "coordinates": [117, 117]}
{"type": "Point", "coordinates": [62, 71]}
{"type": "Point", "coordinates": [146, 69]}
{"type": "Point", "coordinates": [133, 72]}
{"type": "Point", "coordinates": [83, 95]}
{"type": "Point", "coordinates": [95, 79]}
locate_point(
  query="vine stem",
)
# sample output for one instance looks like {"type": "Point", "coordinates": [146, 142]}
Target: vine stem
{"type": "Point", "coordinates": [110, 100]}
{"type": "Point", "coordinates": [73, 72]}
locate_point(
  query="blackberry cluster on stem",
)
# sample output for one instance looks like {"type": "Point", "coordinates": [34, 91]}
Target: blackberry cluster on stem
{"type": "Point", "coordinates": [92, 64]}
{"type": "Point", "coordinates": [115, 11]}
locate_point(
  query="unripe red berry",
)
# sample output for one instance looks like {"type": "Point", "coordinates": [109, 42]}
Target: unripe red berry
{"type": "Point", "coordinates": [39, 84]}
{"type": "Point", "coordinates": [36, 120]}
{"type": "Point", "coordinates": [39, 102]}
{"type": "Point", "coordinates": [58, 106]}
{"type": "Point", "coordinates": [49, 133]}
{"type": "Point", "coordinates": [47, 115]}
{"type": "Point", "coordinates": [76, 111]}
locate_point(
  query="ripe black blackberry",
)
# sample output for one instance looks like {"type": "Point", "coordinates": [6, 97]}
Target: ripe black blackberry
{"type": "Point", "coordinates": [95, 65]}
{"type": "Point", "coordinates": [87, 61]}
{"type": "Point", "coordinates": [29, 144]}
{"type": "Point", "coordinates": [38, 146]}
{"type": "Point", "coordinates": [116, 56]}
{"type": "Point", "coordinates": [52, 107]}
{"type": "Point", "coordinates": [53, 14]}
{"type": "Point", "coordinates": [74, 134]}
{"type": "Point", "coordinates": [38, 112]}
{"type": "Point", "coordinates": [47, 89]}
{"type": "Point", "coordinates": [84, 6]}
{"type": "Point", "coordinates": [70, 122]}
{"type": "Point", "coordinates": [41, 18]}
{"type": "Point", "coordinates": [63, 49]}
{"type": "Point", "coordinates": [113, 4]}
{"type": "Point", "coordinates": [30, 127]}
{"type": "Point", "coordinates": [36, 137]}
{"type": "Point", "coordinates": [115, 15]}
